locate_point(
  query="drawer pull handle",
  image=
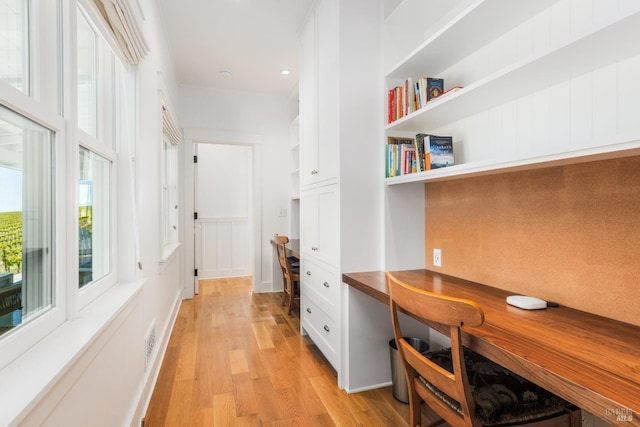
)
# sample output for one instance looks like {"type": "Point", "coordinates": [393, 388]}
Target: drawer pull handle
{"type": "Point", "coordinates": [326, 284]}
{"type": "Point", "coordinates": [314, 248]}
{"type": "Point", "coordinates": [314, 172]}
{"type": "Point", "coordinates": [309, 310]}
{"type": "Point", "coordinates": [308, 273]}
{"type": "Point", "coordinates": [326, 328]}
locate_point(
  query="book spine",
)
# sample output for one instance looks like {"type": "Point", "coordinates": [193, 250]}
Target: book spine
{"type": "Point", "coordinates": [390, 98]}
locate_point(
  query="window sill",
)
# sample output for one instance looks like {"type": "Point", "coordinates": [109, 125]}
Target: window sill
{"type": "Point", "coordinates": [168, 252]}
{"type": "Point", "coordinates": [47, 362]}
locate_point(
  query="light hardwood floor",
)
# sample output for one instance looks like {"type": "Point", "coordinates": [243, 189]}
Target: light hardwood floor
{"type": "Point", "coordinates": [237, 359]}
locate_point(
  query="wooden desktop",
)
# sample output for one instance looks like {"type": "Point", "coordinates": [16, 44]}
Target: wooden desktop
{"type": "Point", "coordinates": [589, 360]}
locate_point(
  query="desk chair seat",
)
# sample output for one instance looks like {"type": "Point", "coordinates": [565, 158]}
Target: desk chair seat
{"type": "Point", "coordinates": [501, 397]}
{"type": "Point", "coordinates": [461, 386]}
{"type": "Point", "coordinates": [290, 275]}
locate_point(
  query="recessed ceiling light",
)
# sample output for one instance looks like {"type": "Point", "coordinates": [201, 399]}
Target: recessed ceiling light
{"type": "Point", "coordinates": [284, 72]}
{"type": "Point", "coordinates": [225, 73]}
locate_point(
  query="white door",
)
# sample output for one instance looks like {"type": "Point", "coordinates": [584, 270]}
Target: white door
{"type": "Point", "coordinates": [223, 194]}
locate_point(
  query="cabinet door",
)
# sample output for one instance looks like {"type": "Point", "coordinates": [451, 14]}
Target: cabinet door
{"type": "Point", "coordinates": [320, 224]}
{"type": "Point", "coordinates": [328, 243]}
{"type": "Point", "coordinates": [328, 93]}
{"type": "Point", "coordinates": [319, 95]}
{"type": "Point", "coordinates": [308, 104]}
{"type": "Point", "coordinates": [309, 222]}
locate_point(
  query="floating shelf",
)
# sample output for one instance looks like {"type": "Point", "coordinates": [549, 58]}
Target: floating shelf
{"type": "Point", "coordinates": [582, 53]}
{"type": "Point", "coordinates": [624, 147]}
{"type": "Point", "coordinates": [486, 20]}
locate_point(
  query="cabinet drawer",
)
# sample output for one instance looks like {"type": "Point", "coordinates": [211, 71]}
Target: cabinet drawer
{"type": "Point", "coordinates": [325, 282]}
{"type": "Point", "coordinates": [322, 329]}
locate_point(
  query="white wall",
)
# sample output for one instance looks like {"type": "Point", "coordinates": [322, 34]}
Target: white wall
{"type": "Point", "coordinates": [245, 113]}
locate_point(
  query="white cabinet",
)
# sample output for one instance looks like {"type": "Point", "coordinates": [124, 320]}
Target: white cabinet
{"type": "Point", "coordinates": [340, 191]}
{"type": "Point", "coordinates": [323, 283]}
{"type": "Point", "coordinates": [319, 306]}
{"type": "Point", "coordinates": [320, 224]}
{"type": "Point", "coordinates": [319, 273]}
{"type": "Point", "coordinates": [319, 95]}
{"type": "Point", "coordinates": [323, 328]}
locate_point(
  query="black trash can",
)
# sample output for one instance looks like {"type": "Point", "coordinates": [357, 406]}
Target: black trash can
{"type": "Point", "coordinates": [398, 378]}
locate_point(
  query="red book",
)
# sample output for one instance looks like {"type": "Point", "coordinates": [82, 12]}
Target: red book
{"type": "Point", "coordinates": [390, 101]}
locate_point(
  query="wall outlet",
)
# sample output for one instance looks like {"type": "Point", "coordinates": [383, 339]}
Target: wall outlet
{"type": "Point", "coordinates": [437, 258]}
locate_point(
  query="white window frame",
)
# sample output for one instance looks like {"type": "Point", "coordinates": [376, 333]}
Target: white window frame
{"type": "Point", "coordinates": [15, 342]}
{"type": "Point", "coordinates": [97, 287]}
{"type": "Point", "coordinates": [105, 145]}
{"type": "Point", "coordinates": [42, 103]}
{"type": "Point", "coordinates": [171, 139]}
{"type": "Point", "coordinates": [169, 211]}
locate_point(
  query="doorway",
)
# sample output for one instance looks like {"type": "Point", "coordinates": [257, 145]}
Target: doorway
{"type": "Point", "coordinates": [223, 199]}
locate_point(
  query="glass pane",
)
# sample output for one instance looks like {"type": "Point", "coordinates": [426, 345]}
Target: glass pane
{"type": "Point", "coordinates": [87, 77]}
{"type": "Point", "coordinates": [26, 219]}
{"type": "Point", "coordinates": [94, 195]}
{"type": "Point", "coordinates": [14, 43]}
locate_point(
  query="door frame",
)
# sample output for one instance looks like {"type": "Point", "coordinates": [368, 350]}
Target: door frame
{"type": "Point", "coordinates": [216, 136]}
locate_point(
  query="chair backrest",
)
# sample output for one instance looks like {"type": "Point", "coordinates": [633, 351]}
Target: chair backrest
{"type": "Point", "coordinates": [451, 313]}
{"type": "Point", "coordinates": [281, 251]}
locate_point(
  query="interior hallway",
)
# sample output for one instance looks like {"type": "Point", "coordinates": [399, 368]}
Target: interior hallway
{"type": "Point", "coordinates": [236, 359]}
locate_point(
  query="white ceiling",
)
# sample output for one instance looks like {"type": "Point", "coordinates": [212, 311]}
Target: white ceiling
{"type": "Point", "coordinates": [253, 39]}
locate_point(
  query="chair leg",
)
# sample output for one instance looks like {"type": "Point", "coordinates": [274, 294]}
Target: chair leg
{"type": "Point", "coordinates": [415, 404]}
{"type": "Point", "coordinates": [284, 291]}
{"type": "Point", "coordinates": [291, 294]}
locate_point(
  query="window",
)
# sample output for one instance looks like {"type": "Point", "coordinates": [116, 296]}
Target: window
{"type": "Point", "coordinates": [94, 213]}
{"type": "Point", "coordinates": [58, 170]}
{"type": "Point", "coordinates": [97, 80]}
{"type": "Point", "coordinates": [14, 43]}
{"type": "Point", "coordinates": [171, 139]}
{"type": "Point", "coordinates": [170, 193]}
{"type": "Point", "coordinates": [29, 53]}
{"type": "Point", "coordinates": [32, 165]}
{"type": "Point", "coordinates": [26, 219]}
{"type": "Point", "coordinates": [87, 77]}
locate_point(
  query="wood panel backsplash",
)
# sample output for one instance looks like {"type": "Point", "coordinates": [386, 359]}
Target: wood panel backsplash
{"type": "Point", "coordinates": [569, 234]}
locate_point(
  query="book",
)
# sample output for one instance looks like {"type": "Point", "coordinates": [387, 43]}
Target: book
{"type": "Point", "coordinates": [391, 94]}
{"type": "Point", "coordinates": [407, 158]}
{"type": "Point", "coordinates": [421, 165]}
{"type": "Point", "coordinates": [400, 156]}
{"type": "Point", "coordinates": [440, 151]}
{"type": "Point", "coordinates": [452, 90]}
{"type": "Point", "coordinates": [448, 92]}
{"type": "Point", "coordinates": [410, 96]}
{"type": "Point", "coordinates": [435, 88]}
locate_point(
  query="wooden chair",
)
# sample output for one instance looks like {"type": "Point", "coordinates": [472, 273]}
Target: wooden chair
{"type": "Point", "coordinates": [290, 276]}
{"type": "Point", "coordinates": [441, 379]}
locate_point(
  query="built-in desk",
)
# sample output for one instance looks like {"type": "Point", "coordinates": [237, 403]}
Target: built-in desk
{"type": "Point", "coordinates": [294, 247]}
{"type": "Point", "coordinates": [591, 361]}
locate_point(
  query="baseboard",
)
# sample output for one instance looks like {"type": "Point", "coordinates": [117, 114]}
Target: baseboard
{"type": "Point", "coordinates": [152, 374]}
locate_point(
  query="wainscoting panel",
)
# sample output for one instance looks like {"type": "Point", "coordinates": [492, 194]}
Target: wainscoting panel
{"type": "Point", "coordinates": [224, 248]}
